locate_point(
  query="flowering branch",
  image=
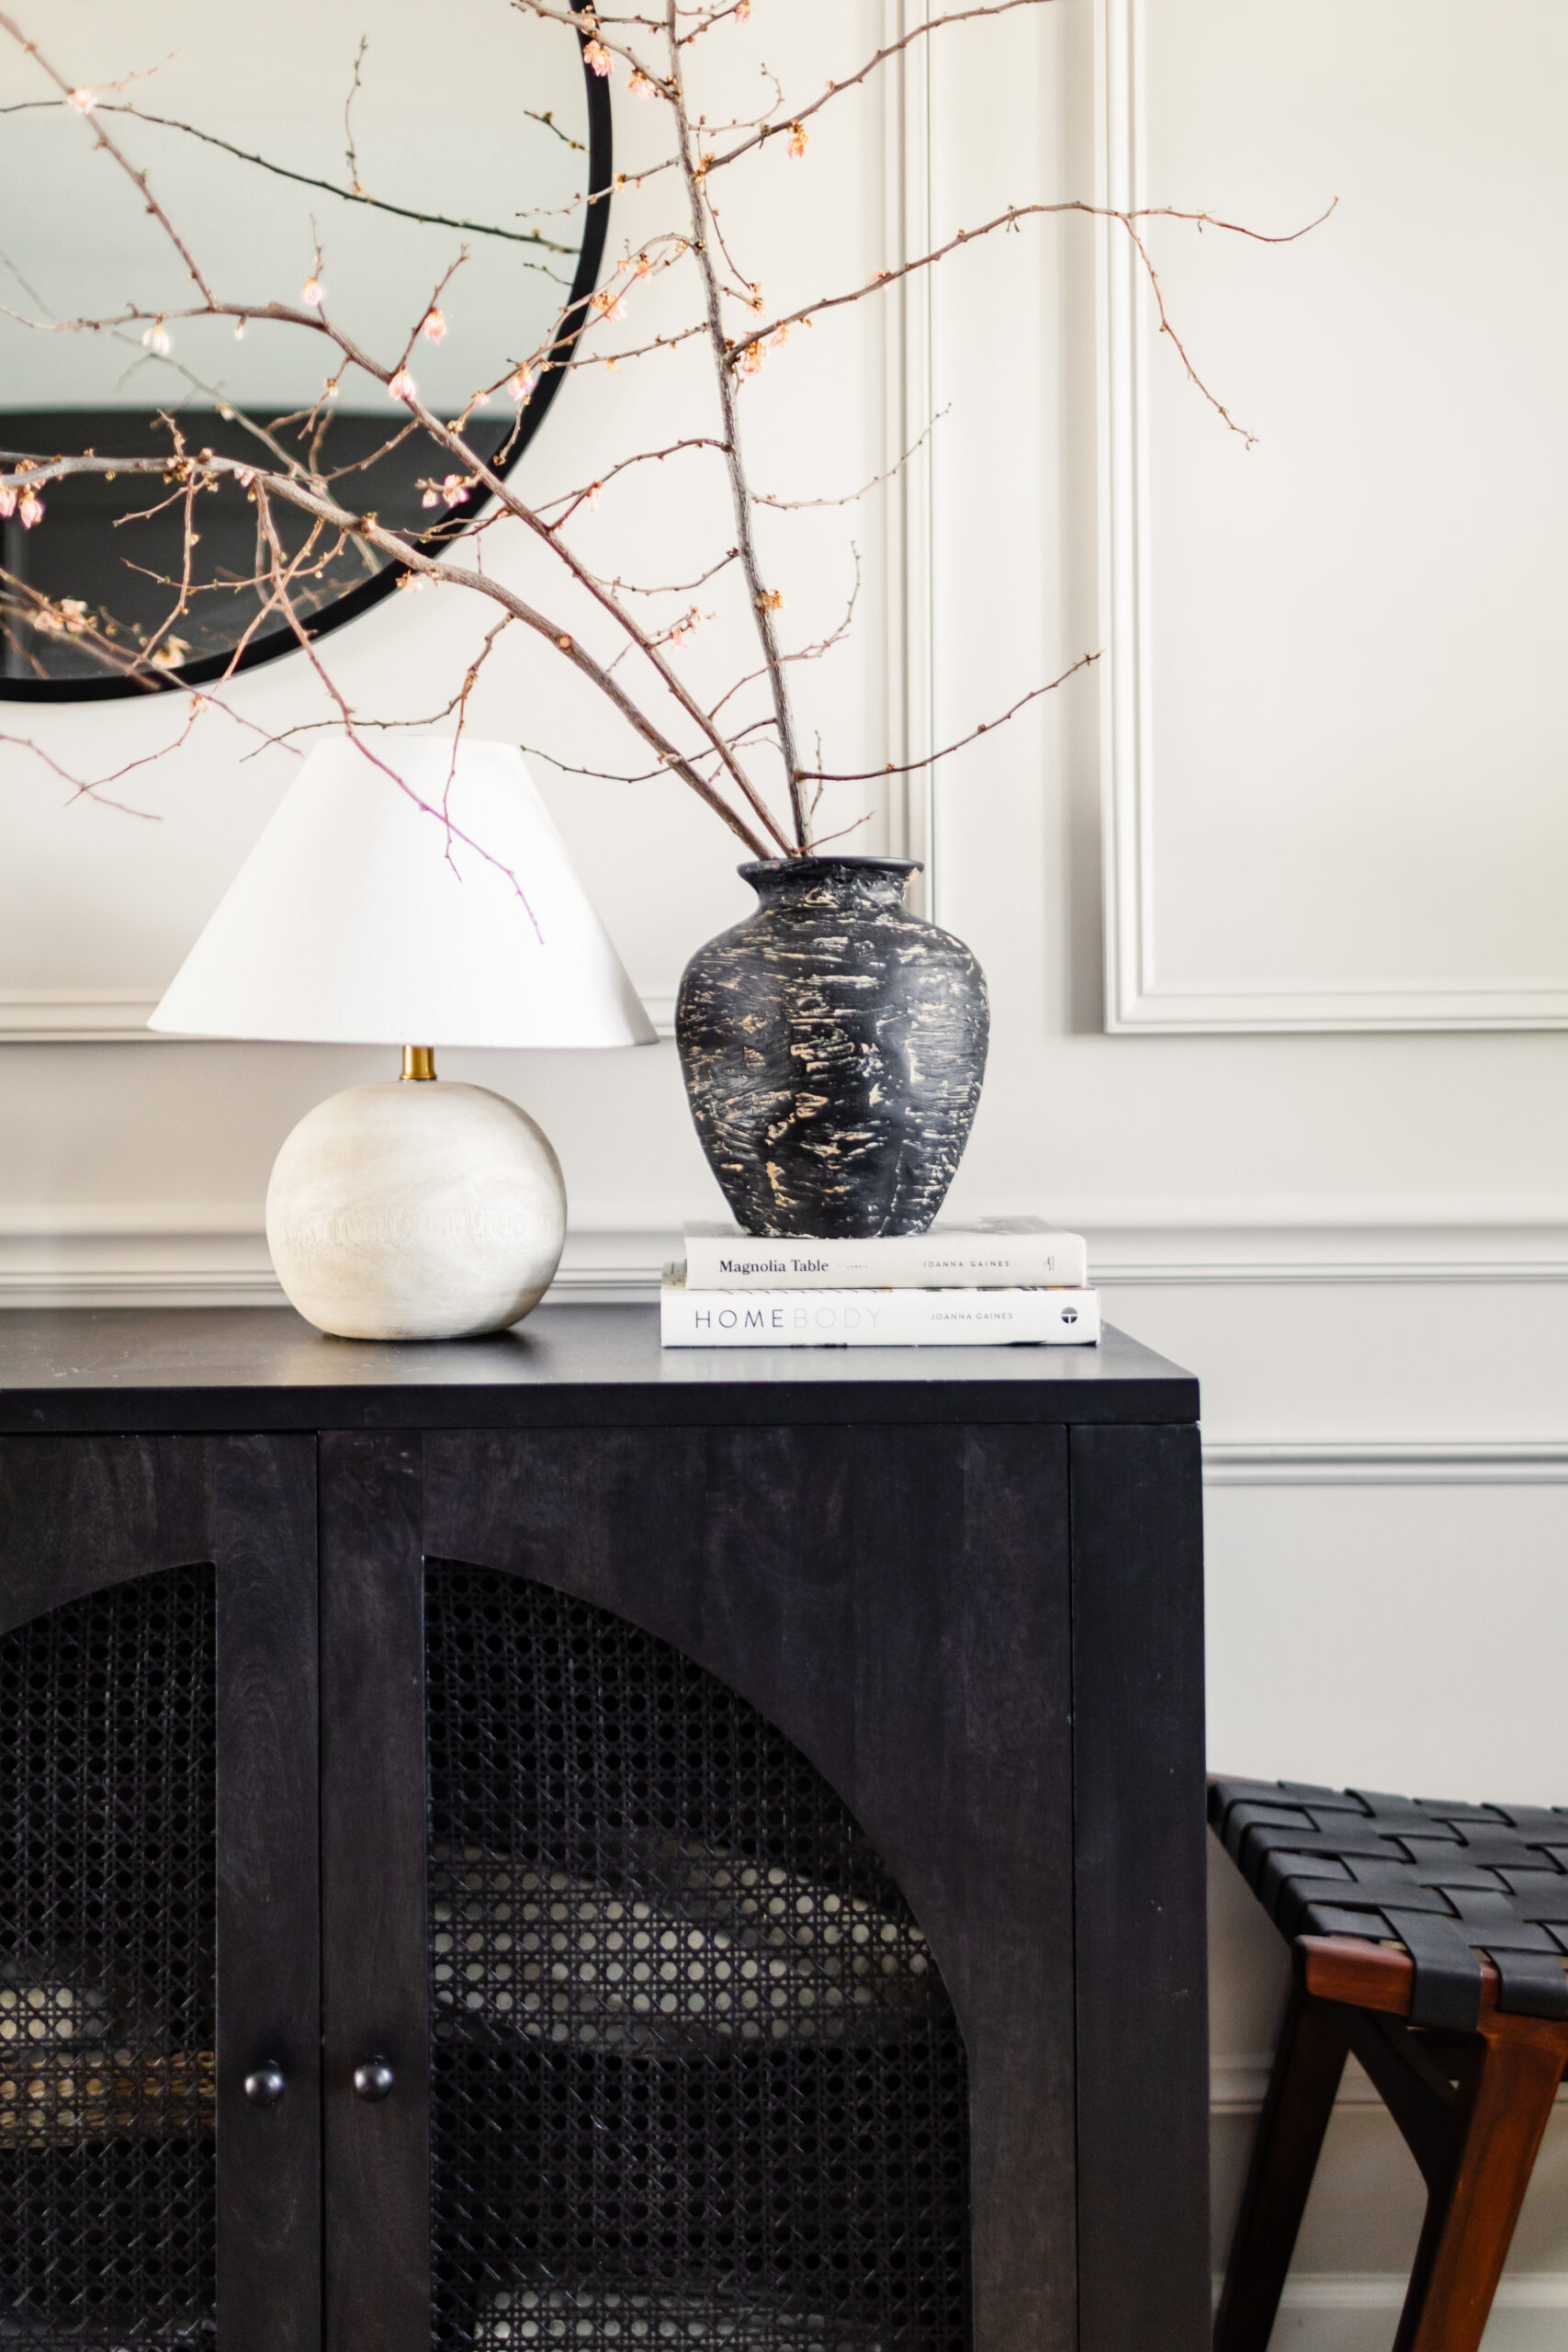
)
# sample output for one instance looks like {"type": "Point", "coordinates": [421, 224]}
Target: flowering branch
{"type": "Point", "coordinates": [314, 519]}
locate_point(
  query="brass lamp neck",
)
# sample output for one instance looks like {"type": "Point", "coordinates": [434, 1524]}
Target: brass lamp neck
{"type": "Point", "coordinates": [419, 1061]}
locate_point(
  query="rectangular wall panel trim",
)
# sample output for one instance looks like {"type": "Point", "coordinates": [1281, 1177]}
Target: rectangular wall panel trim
{"type": "Point", "coordinates": [1137, 1000]}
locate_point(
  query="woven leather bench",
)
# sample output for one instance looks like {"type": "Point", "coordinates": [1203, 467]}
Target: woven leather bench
{"type": "Point", "coordinates": [1431, 1939]}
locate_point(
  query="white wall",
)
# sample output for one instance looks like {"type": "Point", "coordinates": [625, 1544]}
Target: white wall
{"type": "Point", "coordinates": [1358, 1240]}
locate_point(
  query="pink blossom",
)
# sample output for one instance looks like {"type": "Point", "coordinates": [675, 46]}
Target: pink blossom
{"type": "Point", "coordinates": [158, 339]}
{"type": "Point", "coordinates": [743, 10]}
{"type": "Point", "coordinates": [644, 266]}
{"type": "Point", "coordinates": [435, 325]}
{"type": "Point", "coordinates": [751, 359]}
{"type": "Point", "coordinates": [7, 500]}
{"type": "Point", "coordinates": [522, 384]}
{"type": "Point", "coordinates": [83, 100]}
{"type": "Point", "coordinates": [798, 140]}
{"type": "Point", "coordinates": [610, 302]}
{"type": "Point", "coordinates": [432, 497]}
{"type": "Point", "coordinates": [640, 86]}
{"type": "Point", "coordinates": [596, 55]}
{"type": "Point", "coordinates": [310, 293]}
{"type": "Point", "coordinates": [69, 617]}
{"type": "Point", "coordinates": [456, 488]}
{"type": "Point", "coordinates": [592, 499]}
{"type": "Point", "coordinates": [402, 386]}
{"type": "Point", "coordinates": [170, 654]}
{"type": "Point", "coordinates": [30, 508]}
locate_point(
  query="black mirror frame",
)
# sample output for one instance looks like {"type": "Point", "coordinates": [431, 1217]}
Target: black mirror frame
{"type": "Point", "coordinates": [354, 601]}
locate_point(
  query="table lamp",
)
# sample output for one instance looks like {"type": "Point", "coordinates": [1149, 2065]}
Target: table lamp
{"type": "Point", "coordinates": [435, 902]}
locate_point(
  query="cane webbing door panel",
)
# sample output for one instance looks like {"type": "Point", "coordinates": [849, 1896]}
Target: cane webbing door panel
{"type": "Point", "coordinates": [695, 2077]}
{"type": "Point", "coordinates": [108, 1893]}
{"type": "Point", "coordinates": [157, 1936]}
{"type": "Point", "coordinates": [680, 1677]}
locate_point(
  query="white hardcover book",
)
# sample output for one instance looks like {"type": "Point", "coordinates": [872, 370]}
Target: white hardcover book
{"type": "Point", "coordinates": [875, 1318]}
{"type": "Point", "coordinates": [997, 1253]}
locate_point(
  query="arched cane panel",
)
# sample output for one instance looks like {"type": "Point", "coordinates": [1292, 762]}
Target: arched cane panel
{"type": "Point", "coordinates": [696, 2082]}
{"type": "Point", "coordinates": [107, 1902]}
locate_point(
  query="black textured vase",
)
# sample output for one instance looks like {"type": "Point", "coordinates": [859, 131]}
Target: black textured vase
{"type": "Point", "coordinates": [833, 1045]}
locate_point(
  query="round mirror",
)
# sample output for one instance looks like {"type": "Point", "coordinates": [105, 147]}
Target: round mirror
{"type": "Point", "coordinates": [376, 160]}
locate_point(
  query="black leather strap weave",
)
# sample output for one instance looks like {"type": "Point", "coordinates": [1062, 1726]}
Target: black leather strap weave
{"type": "Point", "coordinates": [1446, 1881]}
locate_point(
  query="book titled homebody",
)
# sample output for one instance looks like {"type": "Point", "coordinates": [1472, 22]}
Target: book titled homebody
{"type": "Point", "coordinates": [875, 1318]}
{"type": "Point", "coordinates": [1000, 1253]}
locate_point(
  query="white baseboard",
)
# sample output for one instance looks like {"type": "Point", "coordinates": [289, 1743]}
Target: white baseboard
{"type": "Point", "coordinates": [1236, 2085]}
{"type": "Point", "coordinates": [1357, 2311]}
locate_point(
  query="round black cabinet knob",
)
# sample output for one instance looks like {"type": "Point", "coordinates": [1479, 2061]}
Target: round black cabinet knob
{"type": "Point", "coordinates": [374, 2080]}
{"type": "Point", "coordinates": [266, 2086]}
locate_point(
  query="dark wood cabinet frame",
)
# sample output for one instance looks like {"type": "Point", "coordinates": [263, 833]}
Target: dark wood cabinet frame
{"type": "Point", "coordinates": [967, 1587]}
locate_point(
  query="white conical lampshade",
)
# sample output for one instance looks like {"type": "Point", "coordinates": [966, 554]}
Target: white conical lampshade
{"type": "Point", "coordinates": [361, 918]}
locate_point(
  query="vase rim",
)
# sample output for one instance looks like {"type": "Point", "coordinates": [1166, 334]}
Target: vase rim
{"type": "Point", "coordinates": [814, 862]}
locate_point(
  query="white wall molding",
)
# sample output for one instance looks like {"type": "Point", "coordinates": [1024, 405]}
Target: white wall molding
{"type": "Point", "coordinates": [1156, 1255]}
{"type": "Point", "coordinates": [120, 1016]}
{"type": "Point", "coordinates": [1137, 998]}
{"type": "Point", "coordinates": [1386, 1462]}
{"type": "Point", "coordinates": [83, 1016]}
{"type": "Point", "coordinates": [106, 1253]}
{"type": "Point", "coordinates": [1158, 1241]}
{"type": "Point", "coordinates": [137, 1257]}
{"type": "Point", "coordinates": [909, 376]}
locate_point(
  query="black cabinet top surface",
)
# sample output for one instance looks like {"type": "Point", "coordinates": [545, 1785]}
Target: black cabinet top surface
{"type": "Point", "coordinates": [263, 1368]}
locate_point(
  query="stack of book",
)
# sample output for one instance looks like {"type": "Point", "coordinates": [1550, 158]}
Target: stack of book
{"type": "Point", "coordinates": [1006, 1280]}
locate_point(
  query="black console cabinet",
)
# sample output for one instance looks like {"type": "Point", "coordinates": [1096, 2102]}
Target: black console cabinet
{"type": "Point", "coordinates": [539, 1842]}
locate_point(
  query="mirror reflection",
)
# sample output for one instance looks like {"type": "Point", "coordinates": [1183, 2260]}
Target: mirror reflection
{"type": "Point", "coordinates": [378, 161]}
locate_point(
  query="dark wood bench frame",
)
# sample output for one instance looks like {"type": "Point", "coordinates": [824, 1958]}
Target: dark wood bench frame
{"type": "Point", "coordinates": [1472, 2107]}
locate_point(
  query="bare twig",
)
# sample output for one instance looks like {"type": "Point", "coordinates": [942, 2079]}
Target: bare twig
{"type": "Point", "coordinates": [1009, 220]}
{"type": "Point", "coordinates": [352, 195]}
{"type": "Point", "coordinates": [92, 788]}
{"type": "Point", "coordinates": [763, 600]}
{"type": "Point", "coordinates": [852, 497]}
{"type": "Point", "coordinates": [987, 726]}
{"type": "Point", "coordinates": [140, 178]}
{"type": "Point", "coordinates": [789, 117]}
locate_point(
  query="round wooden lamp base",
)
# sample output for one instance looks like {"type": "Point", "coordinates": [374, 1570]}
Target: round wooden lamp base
{"type": "Point", "coordinates": [415, 1211]}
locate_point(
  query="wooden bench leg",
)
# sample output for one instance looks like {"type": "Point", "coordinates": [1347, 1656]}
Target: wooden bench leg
{"type": "Point", "coordinates": [1474, 2200]}
{"type": "Point", "coordinates": [1307, 2069]}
